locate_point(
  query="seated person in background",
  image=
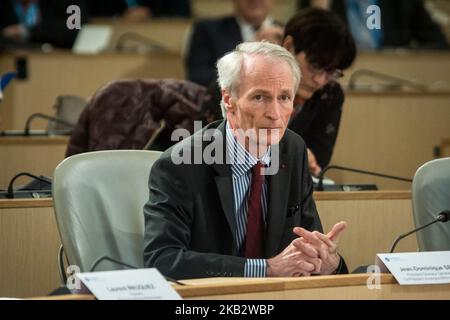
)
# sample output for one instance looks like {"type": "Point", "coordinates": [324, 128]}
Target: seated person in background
{"type": "Point", "coordinates": [216, 218]}
{"type": "Point", "coordinates": [323, 48]}
{"type": "Point", "coordinates": [140, 9]}
{"type": "Point", "coordinates": [212, 38]}
{"type": "Point", "coordinates": [38, 21]}
{"type": "Point", "coordinates": [404, 23]}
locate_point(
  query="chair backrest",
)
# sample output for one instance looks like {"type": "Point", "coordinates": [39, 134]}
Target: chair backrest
{"type": "Point", "coordinates": [430, 196]}
{"type": "Point", "coordinates": [69, 109]}
{"type": "Point", "coordinates": [99, 199]}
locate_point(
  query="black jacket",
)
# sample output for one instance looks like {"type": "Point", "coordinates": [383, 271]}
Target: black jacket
{"type": "Point", "coordinates": [210, 40]}
{"type": "Point", "coordinates": [190, 222]}
{"type": "Point", "coordinates": [318, 121]}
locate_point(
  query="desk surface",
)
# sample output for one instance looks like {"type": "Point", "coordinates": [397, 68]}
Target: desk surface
{"type": "Point", "coordinates": [318, 196]}
{"type": "Point", "coordinates": [320, 287]}
{"type": "Point", "coordinates": [36, 155]}
{"type": "Point", "coordinates": [26, 203]}
{"type": "Point", "coordinates": [41, 140]}
{"type": "Point", "coordinates": [363, 195]}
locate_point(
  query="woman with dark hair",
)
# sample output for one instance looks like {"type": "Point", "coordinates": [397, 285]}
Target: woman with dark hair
{"type": "Point", "coordinates": [323, 47]}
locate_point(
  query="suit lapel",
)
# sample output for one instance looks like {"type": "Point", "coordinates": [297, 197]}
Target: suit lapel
{"type": "Point", "coordinates": [225, 189]}
{"type": "Point", "coordinates": [224, 186]}
{"type": "Point", "coordinates": [277, 206]}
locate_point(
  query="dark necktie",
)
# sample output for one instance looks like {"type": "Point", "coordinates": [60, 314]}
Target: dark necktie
{"type": "Point", "coordinates": [255, 226]}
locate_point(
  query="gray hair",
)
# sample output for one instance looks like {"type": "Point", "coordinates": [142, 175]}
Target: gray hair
{"type": "Point", "coordinates": [229, 66]}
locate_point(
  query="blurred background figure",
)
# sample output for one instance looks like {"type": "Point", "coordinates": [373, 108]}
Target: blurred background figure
{"type": "Point", "coordinates": [404, 23]}
{"type": "Point", "coordinates": [212, 38]}
{"type": "Point", "coordinates": [140, 9]}
{"type": "Point", "coordinates": [28, 22]}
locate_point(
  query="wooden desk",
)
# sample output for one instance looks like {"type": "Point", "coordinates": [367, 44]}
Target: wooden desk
{"type": "Point", "coordinates": [36, 155]}
{"type": "Point", "coordinates": [391, 133]}
{"type": "Point", "coordinates": [59, 73]}
{"type": "Point", "coordinates": [170, 34]}
{"type": "Point", "coordinates": [346, 287]}
{"type": "Point", "coordinates": [28, 248]}
{"type": "Point", "coordinates": [444, 148]}
{"type": "Point", "coordinates": [173, 33]}
{"type": "Point", "coordinates": [32, 240]}
{"type": "Point", "coordinates": [427, 67]}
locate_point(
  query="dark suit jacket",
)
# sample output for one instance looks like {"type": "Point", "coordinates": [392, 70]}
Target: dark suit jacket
{"type": "Point", "coordinates": [210, 40]}
{"type": "Point", "coordinates": [318, 121]}
{"type": "Point", "coordinates": [404, 23]}
{"type": "Point", "coordinates": [190, 221]}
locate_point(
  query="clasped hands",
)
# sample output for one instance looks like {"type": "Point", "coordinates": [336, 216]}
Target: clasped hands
{"type": "Point", "coordinates": [311, 253]}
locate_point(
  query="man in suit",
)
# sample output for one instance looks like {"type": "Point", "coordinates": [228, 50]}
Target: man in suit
{"type": "Point", "coordinates": [324, 48]}
{"type": "Point", "coordinates": [212, 38]}
{"type": "Point", "coordinates": [250, 211]}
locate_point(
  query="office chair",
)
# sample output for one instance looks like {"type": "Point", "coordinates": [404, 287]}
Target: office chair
{"type": "Point", "coordinates": [98, 200]}
{"type": "Point", "coordinates": [430, 196]}
{"type": "Point", "coordinates": [69, 109]}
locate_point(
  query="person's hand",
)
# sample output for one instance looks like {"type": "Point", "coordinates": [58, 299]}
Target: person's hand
{"type": "Point", "coordinates": [325, 245]}
{"type": "Point", "coordinates": [15, 31]}
{"type": "Point", "coordinates": [272, 34]}
{"type": "Point", "coordinates": [314, 167]}
{"type": "Point", "coordinates": [297, 259]}
{"type": "Point", "coordinates": [137, 14]}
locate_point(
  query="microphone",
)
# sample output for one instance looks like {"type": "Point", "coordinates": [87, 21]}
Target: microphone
{"type": "Point", "coordinates": [444, 216]}
{"type": "Point", "coordinates": [121, 263]}
{"type": "Point", "coordinates": [395, 82]}
{"type": "Point", "coordinates": [376, 174]}
{"type": "Point", "coordinates": [10, 192]}
{"type": "Point", "coordinates": [46, 117]}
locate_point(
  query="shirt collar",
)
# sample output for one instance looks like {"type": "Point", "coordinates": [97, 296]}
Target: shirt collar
{"type": "Point", "coordinates": [241, 160]}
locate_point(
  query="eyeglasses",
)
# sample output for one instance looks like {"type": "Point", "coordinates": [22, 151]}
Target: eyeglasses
{"type": "Point", "coordinates": [334, 74]}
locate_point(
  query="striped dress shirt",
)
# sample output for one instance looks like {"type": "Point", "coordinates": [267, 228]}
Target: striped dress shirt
{"type": "Point", "coordinates": [241, 165]}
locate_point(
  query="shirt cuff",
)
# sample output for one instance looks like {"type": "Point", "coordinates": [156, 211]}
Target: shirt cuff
{"type": "Point", "coordinates": [255, 268]}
